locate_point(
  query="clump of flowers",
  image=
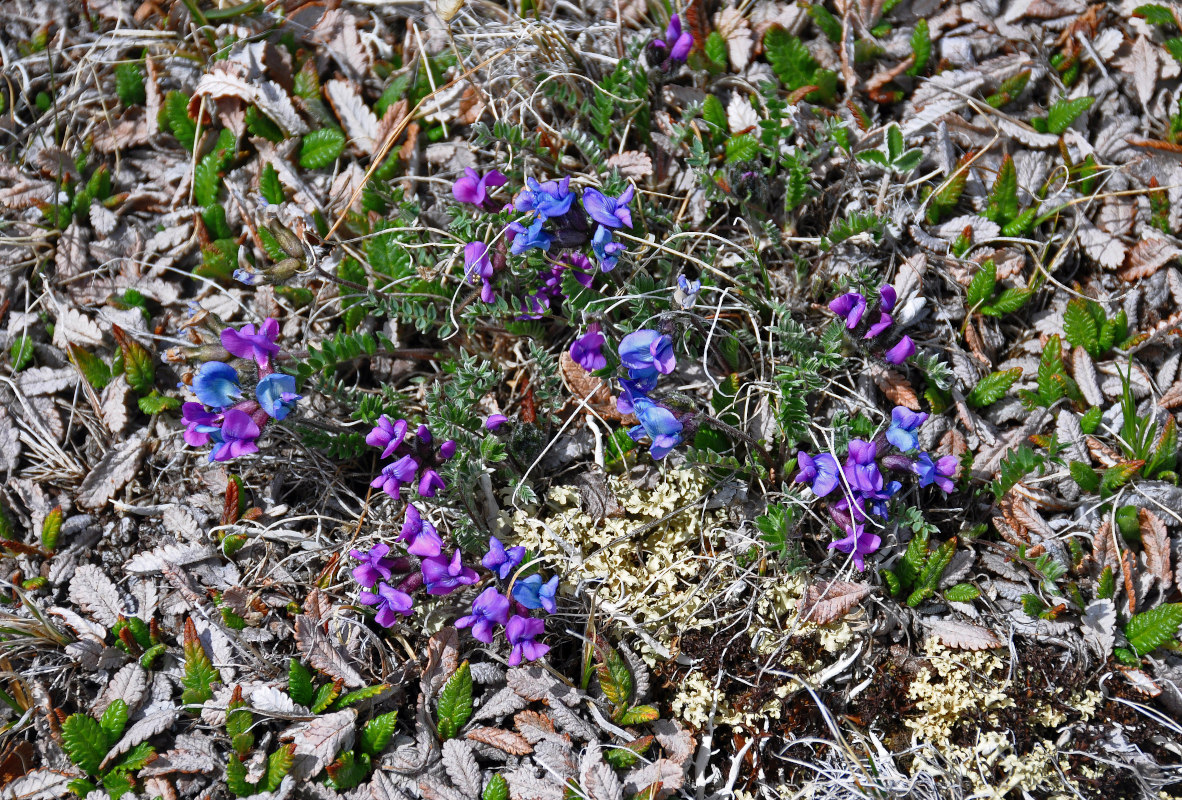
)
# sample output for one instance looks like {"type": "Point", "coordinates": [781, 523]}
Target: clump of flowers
{"type": "Point", "coordinates": [864, 493]}
{"type": "Point", "coordinates": [222, 415]}
{"type": "Point", "coordinates": [416, 459]}
{"type": "Point", "coordinates": [672, 50]}
{"type": "Point", "coordinates": [853, 307]}
{"type": "Point", "coordinates": [646, 355]}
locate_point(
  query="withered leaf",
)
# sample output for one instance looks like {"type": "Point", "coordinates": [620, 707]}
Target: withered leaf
{"type": "Point", "coordinates": [92, 591]}
{"type": "Point", "coordinates": [1156, 542]}
{"type": "Point", "coordinates": [461, 766]}
{"type": "Point", "coordinates": [897, 388]}
{"type": "Point", "coordinates": [117, 468]}
{"type": "Point", "coordinates": [1153, 252]}
{"type": "Point", "coordinates": [316, 647]}
{"type": "Point", "coordinates": [825, 602]}
{"type": "Point", "coordinates": [963, 636]}
{"type": "Point", "coordinates": [321, 739]}
{"type": "Point", "coordinates": [360, 123]}
{"type": "Point", "coordinates": [512, 743]}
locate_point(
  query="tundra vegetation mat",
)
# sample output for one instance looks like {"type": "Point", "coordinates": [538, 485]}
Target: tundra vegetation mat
{"type": "Point", "coordinates": [592, 399]}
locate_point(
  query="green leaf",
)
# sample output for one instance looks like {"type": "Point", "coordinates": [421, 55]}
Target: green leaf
{"type": "Point", "coordinates": [51, 527]}
{"type": "Point", "coordinates": [20, 354]}
{"type": "Point", "coordinates": [921, 48]}
{"type": "Point", "coordinates": [156, 403]}
{"type": "Point", "coordinates": [347, 771]}
{"type": "Point", "coordinates": [134, 759]}
{"type": "Point", "coordinates": [992, 387]}
{"type": "Point", "coordinates": [795, 67]}
{"type": "Point", "coordinates": [1151, 629]}
{"type": "Point", "coordinates": [455, 702]}
{"type": "Point", "coordinates": [744, 147]}
{"type": "Point", "coordinates": [270, 187]}
{"type": "Point", "coordinates": [1117, 476]}
{"type": "Point", "coordinates": [497, 788]}
{"type": "Point", "coordinates": [324, 697]}
{"type": "Point", "coordinates": [176, 112]}
{"type": "Point", "coordinates": [981, 286]}
{"type": "Point", "coordinates": [1155, 15]}
{"type": "Point", "coordinates": [84, 742]}
{"type": "Point", "coordinates": [1063, 113]}
{"type": "Point", "coordinates": [1084, 476]}
{"type": "Point", "coordinates": [259, 124]}
{"type": "Point", "coordinates": [138, 367]}
{"type": "Point", "coordinates": [377, 732]}
{"type": "Point", "coordinates": [1033, 606]}
{"type": "Point", "coordinates": [199, 674]}
{"type": "Point", "coordinates": [321, 148]}
{"type": "Point", "coordinates": [278, 765]}
{"type": "Point", "coordinates": [1021, 223]}
{"type": "Point", "coordinates": [129, 84]}
{"type": "Point", "coordinates": [1003, 198]}
{"type": "Point", "coordinates": [1106, 585]}
{"type": "Point", "coordinates": [1126, 656]}
{"type": "Point", "coordinates": [639, 714]}
{"type": "Point", "coordinates": [1079, 327]}
{"type": "Point", "coordinates": [116, 784]}
{"type": "Point", "coordinates": [358, 695]}
{"type": "Point", "coordinates": [1091, 420]}
{"type": "Point", "coordinates": [962, 593]}
{"type": "Point", "coordinates": [716, 49]}
{"type": "Point", "coordinates": [913, 561]}
{"type": "Point", "coordinates": [1009, 89]}
{"type": "Point", "coordinates": [392, 94]}
{"type": "Point", "coordinates": [1174, 47]}
{"type": "Point", "coordinates": [907, 162]}
{"type": "Point", "coordinates": [876, 156]}
{"type": "Point", "coordinates": [715, 116]}
{"type": "Point", "coordinates": [930, 576]}
{"type": "Point", "coordinates": [829, 24]}
{"type": "Point", "coordinates": [236, 777]}
{"type": "Point", "coordinates": [615, 678]}
{"type": "Point", "coordinates": [1007, 302]}
{"type": "Point", "coordinates": [113, 721]}
{"type": "Point", "coordinates": [206, 180]}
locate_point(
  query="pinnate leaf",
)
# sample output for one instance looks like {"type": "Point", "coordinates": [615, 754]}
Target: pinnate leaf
{"type": "Point", "coordinates": [993, 387]}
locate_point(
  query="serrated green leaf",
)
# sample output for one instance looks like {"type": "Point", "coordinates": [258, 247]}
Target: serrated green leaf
{"type": "Point", "coordinates": [937, 562]}
{"type": "Point", "coordinates": [278, 765]}
{"type": "Point", "coordinates": [377, 732]}
{"type": "Point", "coordinates": [1007, 302]}
{"type": "Point", "coordinates": [921, 48]}
{"type": "Point", "coordinates": [270, 187]}
{"type": "Point", "coordinates": [325, 695]}
{"type": "Point", "coordinates": [358, 695]}
{"type": "Point", "coordinates": [348, 771]}
{"type": "Point", "coordinates": [1091, 420]}
{"type": "Point", "coordinates": [1002, 206]}
{"type": "Point", "coordinates": [716, 49]}
{"type": "Point", "coordinates": [1009, 89]}
{"type": "Point", "coordinates": [981, 286]}
{"type": "Point", "coordinates": [129, 84]}
{"type": "Point", "coordinates": [992, 387]}
{"type": "Point", "coordinates": [113, 721]}
{"type": "Point", "coordinates": [1021, 223]}
{"type": "Point", "coordinates": [199, 675]}
{"type": "Point", "coordinates": [97, 373]}
{"type": "Point", "coordinates": [259, 124]}
{"type": "Point", "coordinates": [1033, 606]}
{"type": "Point", "coordinates": [638, 715]}
{"type": "Point", "coordinates": [207, 180]}
{"type": "Point", "coordinates": [907, 162]}
{"type": "Point", "coordinates": [795, 67]}
{"type": "Point", "coordinates": [116, 784]}
{"type": "Point", "coordinates": [20, 354]}
{"type": "Point", "coordinates": [615, 678]}
{"type": "Point", "coordinates": [715, 116]}
{"type": "Point", "coordinates": [236, 777]}
{"type": "Point", "coordinates": [1126, 656]}
{"type": "Point", "coordinates": [1151, 629]}
{"type": "Point", "coordinates": [321, 148]}
{"type": "Point", "coordinates": [138, 366]}
{"type": "Point", "coordinates": [176, 112]}
{"type": "Point", "coordinates": [914, 559]}
{"type": "Point", "coordinates": [455, 703]}
{"type": "Point", "coordinates": [81, 787]}
{"type": "Point", "coordinates": [84, 742]}
{"type": "Point", "coordinates": [1155, 15]}
{"type": "Point", "coordinates": [156, 403]}
{"type": "Point", "coordinates": [497, 788]}
{"type": "Point", "coordinates": [744, 147]}
{"type": "Point", "coordinates": [134, 759]}
{"type": "Point", "coordinates": [1117, 476]}
{"type": "Point", "coordinates": [962, 593]}
{"type": "Point", "coordinates": [875, 156]}
{"type": "Point", "coordinates": [829, 24]}
{"type": "Point", "coordinates": [1084, 476]}
{"type": "Point", "coordinates": [1063, 113]}
{"type": "Point", "coordinates": [1079, 327]}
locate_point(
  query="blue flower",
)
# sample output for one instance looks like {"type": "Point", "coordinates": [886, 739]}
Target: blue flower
{"type": "Point", "coordinates": [606, 250]}
{"type": "Point", "coordinates": [686, 293]}
{"type": "Point", "coordinates": [276, 394]}
{"type": "Point", "coordinates": [612, 212]}
{"type": "Point", "coordinates": [939, 472]}
{"type": "Point", "coordinates": [658, 424]}
{"type": "Point", "coordinates": [500, 561]}
{"type": "Point", "coordinates": [549, 199]}
{"type": "Point", "coordinates": [821, 473]}
{"type": "Point", "coordinates": [645, 354]}
{"type": "Point", "coordinates": [533, 594]}
{"type": "Point", "coordinates": [904, 424]}
{"type": "Point", "coordinates": [528, 238]}
{"type": "Point", "coordinates": [216, 384]}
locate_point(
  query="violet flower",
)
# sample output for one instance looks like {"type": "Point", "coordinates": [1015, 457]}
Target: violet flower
{"type": "Point", "coordinates": [443, 575]}
{"type": "Point", "coordinates": [902, 351]}
{"type": "Point", "coordinates": [473, 187]}
{"type": "Point", "coordinates": [549, 199]}
{"type": "Point", "coordinates": [940, 472]}
{"type": "Point", "coordinates": [857, 543]}
{"type": "Point", "coordinates": [431, 483]}
{"type": "Point", "coordinates": [658, 424]}
{"type": "Point", "coordinates": [851, 306]}
{"type": "Point", "coordinates": [587, 350]}
{"type": "Point", "coordinates": [477, 263]}
{"type": "Point", "coordinates": [521, 632]}
{"type": "Point", "coordinates": [490, 608]}
{"type": "Point", "coordinates": [390, 603]}
{"type": "Point", "coordinates": [374, 565]}
{"type": "Point", "coordinates": [529, 238]}
{"type": "Point", "coordinates": [236, 438]}
{"type": "Point", "coordinates": [276, 394]}
{"type": "Point", "coordinates": [676, 45]}
{"type": "Point", "coordinates": [420, 536]}
{"type": "Point", "coordinates": [884, 321]}
{"type": "Point", "coordinates": [904, 425]}
{"type": "Point", "coordinates": [611, 212]}
{"type": "Point", "coordinates": [247, 343]}
{"type": "Point", "coordinates": [821, 472]}
{"type": "Point", "coordinates": [216, 384]}
{"type": "Point", "coordinates": [645, 353]}
{"type": "Point", "coordinates": [499, 561]}
{"type": "Point", "coordinates": [495, 421]}
{"type": "Point", "coordinates": [533, 594]}
{"type": "Point", "coordinates": [387, 435]}
{"type": "Point", "coordinates": [861, 469]}
{"type": "Point", "coordinates": [605, 249]}
{"type": "Point", "coordinates": [199, 423]}
{"type": "Point", "coordinates": [686, 293]}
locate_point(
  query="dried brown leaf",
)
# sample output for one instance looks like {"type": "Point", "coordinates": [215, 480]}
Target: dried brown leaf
{"type": "Point", "coordinates": [360, 124]}
{"type": "Point", "coordinates": [825, 602]}
{"type": "Point", "coordinates": [512, 743]}
{"type": "Point", "coordinates": [1156, 542]}
{"type": "Point", "coordinates": [141, 730]}
{"type": "Point", "coordinates": [321, 739]}
{"type": "Point", "coordinates": [118, 467]}
{"type": "Point", "coordinates": [896, 387]}
{"type": "Point", "coordinates": [963, 636]}
{"type": "Point", "coordinates": [268, 96]}
{"type": "Point", "coordinates": [314, 644]}
{"type": "Point", "coordinates": [631, 164]}
{"type": "Point", "coordinates": [1153, 252]}
{"type": "Point", "coordinates": [461, 766]}
{"type": "Point", "coordinates": [128, 684]}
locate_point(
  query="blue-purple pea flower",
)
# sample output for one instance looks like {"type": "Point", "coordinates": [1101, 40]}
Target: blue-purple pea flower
{"type": "Point", "coordinates": [444, 575]}
{"type": "Point", "coordinates": [645, 354]}
{"type": "Point", "coordinates": [389, 601]}
{"type": "Point", "coordinates": [521, 633]}
{"type": "Point", "coordinates": [419, 535]}
{"type": "Point", "coordinates": [657, 423]}
{"type": "Point", "coordinates": [904, 426]}
{"type": "Point", "coordinates": [549, 199]}
{"type": "Point", "coordinates": [676, 46]}
{"type": "Point", "coordinates": [374, 565]}
{"type": "Point", "coordinates": [199, 424]}
{"type": "Point", "coordinates": [587, 350]}
{"type": "Point", "coordinates": [489, 609]}
{"type": "Point", "coordinates": [251, 343]}
{"type": "Point", "coordinates": [473, 187]}
{"type": "Point", "coordinates": [276, 394]}
{"type": "Point", "coordinates": [821, 472]}
{"type": "Point", "coordinates": [850, 306]}
{"type": "Point", "coordinates": [236, 437]}
{"type": "Point", "coordinates": [216, 384]}
{"type": "Point", "coordinates": [939, 472]}
{"type": "Point", "coordinates": [532, 593]}
{"type": "Point", "coordinates": [902, 351]}
{"type": "Point", "coordinates": [611, 212]}
{"type": "Point", "coordinates": [529, 238]}
{"type": "Point", "coordinates": [605, 249]}
{"type": "Point", "coordinates": [499, 561]}
{"type": "Point", "coordinates": [857, 543]}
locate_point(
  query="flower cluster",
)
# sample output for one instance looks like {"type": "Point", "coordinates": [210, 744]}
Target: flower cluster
{"type": "Point", "coordinates": [865, 492]}
{"type": "Point", "coordinates": [553, 221]}
{"type": "Point", "coordinates": [646, 355]}
{"type": "Point", "coordinates": [674, 48]}
{"type": "Point", "coordinates": [852, 307]}
{"type": "Point", "coordinates": [221, 415]}
{"type": "Point", "coordinates": [416, 460]}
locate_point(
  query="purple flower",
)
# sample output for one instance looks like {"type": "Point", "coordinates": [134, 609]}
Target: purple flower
{"type": "Point", "coordinates": [430, 483]}
{"type": "Point", "coordinates": [236, 438]}
{"type": "Point", "coordinates": [686, 293]}
{"type": "Point", "coordinates": [657, 423]}
{"type": "Point", "coordinates": [529, 238]}
{"type": "Point", "coordinates": [477, 264]}
{"type": "Point", "coordinates": [533, 594]}
{"type": "Point", "coordinates": [677, 43]}
{"type": "Point", "coordinates": [851, 306]}
{"type": "Point", "coordinates": [374, 565]}
{"type": "Point", "coordinates": [447, 449]}
{"type": "Point", "coordinates": [861, 470]}
{"type": "Point", "coordinates": [199, 423]}
{"type": "Point", "coordinates": [248, 343]}
{"type": "Point", "coordinates": [631, 390]}
{"type": "Point", "coordinates": [521, 632]}
{"type": "Point", "coordinates": [499, 561]}
{"type": "Point", "coordinates": [858, 543]}
{"type": "Point", "coordinates": [940, 473]}
{"type": "Point", "coordinates": [606, 250]}
{"type": "Point", "coordinates": [490, 608]}
{"type": "Point", "coordinates": [904, 424]}
{"type": "Point", "coordinates": [887, 297]}
{"type": "Point", "coordinates": [389, 480]}
{"type": "Point", "coordinates": [821, 473]}
{"type": "Point", "coordinates": [549, 199]}
{"type": "Point", "coordinates": [444, 576]}
{"type": "Point", "coordinates": [473, 188]}
{"type": "Point", "coordinates": [420, 536]}
{"type": "Point", "coordinates": [644, 353]}
{"type": "Point", "coordinates": [387, 435]}
{"type": "Point", "coordinates": [611, 212]}
{"type": "Point", "coordinates": [216, 384]}
{"type": "Point", "coordinates": [587, 350]}
{"type": "Point", "coordinates": [904, 350]}
{"type": "Point", "coordinates": [495, 421]}
{"type": "Point", "coordinates": [884, 322]}
{"type": "Point", "coordinates": [390, 602]}
{"type": "Point", "coordinates": [276, 394]}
